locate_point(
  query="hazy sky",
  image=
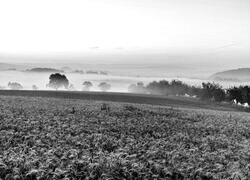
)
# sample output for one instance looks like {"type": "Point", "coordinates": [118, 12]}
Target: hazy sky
{"type": "Point", "coordinates": [186, 30]}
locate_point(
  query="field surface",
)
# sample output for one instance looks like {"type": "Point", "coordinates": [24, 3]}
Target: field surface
{"type": "Point", "coordinates": [171, 101]}
{"type": "Point", "coordinates": [52, 138]}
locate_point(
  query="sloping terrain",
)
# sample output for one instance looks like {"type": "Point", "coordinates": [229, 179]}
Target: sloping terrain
{"type": "Point", "coordinates": [242, 74]}
{"type": "Point", "coordinates": [170, 101]}
{"type": "Point", "coordinates": [49, 138]}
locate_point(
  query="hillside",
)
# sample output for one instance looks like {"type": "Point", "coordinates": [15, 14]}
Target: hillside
{"type": "Point", "coordinates": [47, 70]}
{"type": "Point", "coordinates": [6, 66]}
{"type": "Point", "coordinates": [241, 74]}
{"type": "Point", "coordinates": [170, 101]}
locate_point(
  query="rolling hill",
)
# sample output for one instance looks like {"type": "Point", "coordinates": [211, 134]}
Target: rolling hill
{"type": "Point", "coordinates": [170, 101]}
{"type": "Point", "coordinates": [58, 138]}
{"type": "Point", "coordinates": [6, 66]}
{"type": "Point", "coordinates": [241, 74]}
{"type": "Point", "coordinates": [41, 70]}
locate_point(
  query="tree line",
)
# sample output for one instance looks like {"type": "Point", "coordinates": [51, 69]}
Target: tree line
{"type": "Point", "coordinates": [207, 90]}
{"type": "Point", "coordinates": [58, 81]}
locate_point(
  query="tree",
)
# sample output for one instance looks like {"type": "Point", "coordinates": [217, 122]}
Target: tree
{"type": "Point", "coordinates": [132, 88]}
{"type": "Point", "coordinates": [245, 93]}
{"type": "Point", "coordinates": [87, 85]}
{"type": "Point", "coordinates": [161, 87]}
{"type": "Point", "coordinates": [57, 81]}
{"type": "Point", "coordinates": [104, 86]}
{"type": "Point", "coordinates": [71, 87]}
{"type": "Point", "coordinates": [15, 86]}
{"type": "Point", "coordinates": [34, 87]}
{"type": "Point", "coordinates": [234, 94]}
{"type": "Point", "coordinates": [212, 91]}
{"type": "Point", "coordinates": [178, 87]}
{"type": "Point", "coordinates": [137, 88]}
{"type": "Point", "coordinates": [219, 95]}
{"type": "Point", "coordinates": [240, 94]}
{"type": "Point", "coordinates": [175, 87]}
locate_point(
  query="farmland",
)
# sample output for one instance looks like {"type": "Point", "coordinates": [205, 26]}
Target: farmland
{"type": "Point", "coordinates": [172, 101]}
{"type": "Point", "coordinates": [53, 138]}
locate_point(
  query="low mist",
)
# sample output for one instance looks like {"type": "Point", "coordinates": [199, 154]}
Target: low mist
{"type": "Point", "coordinates": [120, 77]}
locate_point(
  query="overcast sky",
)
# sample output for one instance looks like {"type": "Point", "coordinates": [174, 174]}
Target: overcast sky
{"type": "Point", "coordinates": [182, 30]}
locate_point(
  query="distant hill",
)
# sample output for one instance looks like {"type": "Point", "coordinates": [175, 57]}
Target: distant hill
{"type": "Point", "coordinates": [66, 69]}
{"type": "Point", "coordinates": [50, 70]}
{"type": "Point", "coordinates": [6, 66]}
{"type": "Point", "coordinates": [241, 74]}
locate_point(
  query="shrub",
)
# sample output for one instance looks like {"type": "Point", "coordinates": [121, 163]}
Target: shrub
{"type": "Point", "coordinates": [212, 91]}
{"type": "Point", "coordinates": [175, 87]}
{"type": "Point", "coordinates": [71, 87]}
{"type": "Point", "coordinates": [15, 86]}
{"type": "Point", "coordinates": [87, 85]}
{"type": "Point", "coordinates": [34, 87]}
{"type": "Point", "coordinates": [137, 88]}
{"type": "Point", "coordinates": [104, 86]}
{"type": "Point", "coordinates": [240, 94]}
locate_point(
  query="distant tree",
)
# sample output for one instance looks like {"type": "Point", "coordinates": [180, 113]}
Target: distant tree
{"type": "Point", "coordinates": [175, 87]}
{"type": "Point", "coordinates": [137, 88]}
{"type": "Point", "coordinates": [212, 91]}
{"type": "Point", "coordinates": [161, 87]}
{"type": "Point", "coordinates": [219, 95]}
{"type": "Point", "coordinates": [87, 85]}
{"type": "Point", "coordinates": [15, 86]}
{"type": "Point", "coordinates": [245, 93]}
{"type": "Point", "coordinates": [104, 86]}
{"type": "Point", "coordinates": [57, 81]}
{"type": "Point", "coordinates": [195, 91]}
{"type": "Point", "coordinates": [132, 88]}
{"type": "Point", "coordinates": [34, 87]}
{"type": "Point", "coordinates": [240, 94]}
{"type": "Point", "coordinates": [234, 94]}
{"type": "Point", "coordinates": [71, 87]}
